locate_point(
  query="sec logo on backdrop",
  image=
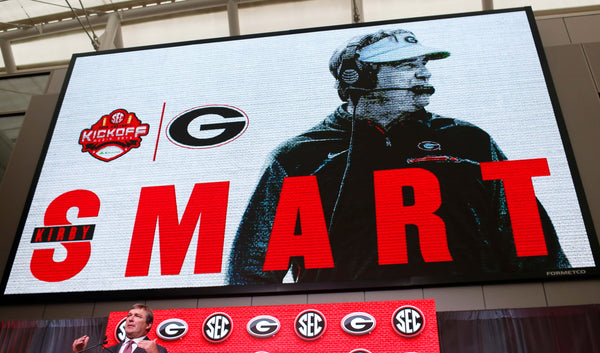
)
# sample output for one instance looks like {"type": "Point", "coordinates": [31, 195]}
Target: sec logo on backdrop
{"type": "Point", "coordinates": [217, 327]}
{"type": "Point", "coordinates": [408, 321]}
{"type": "Point", "coordinates": [310, 325]}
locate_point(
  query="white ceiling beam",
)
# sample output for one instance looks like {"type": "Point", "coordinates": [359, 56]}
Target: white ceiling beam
{"type": "Point", "coordinates": [135, 14]}
{"type": "Point", "coordinates": [233, 17]}
{"type": "Point", "coordinates": [112, 38]}
{"type": "Point", "coordinates": [7, 55]}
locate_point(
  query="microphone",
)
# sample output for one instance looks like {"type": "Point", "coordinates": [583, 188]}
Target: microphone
{"type": "Point", "coordinates": [95, 346]}
{"type": "Point", "coordinates": [418, 89]}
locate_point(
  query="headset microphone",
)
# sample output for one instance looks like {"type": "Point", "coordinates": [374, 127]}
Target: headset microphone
{"type": "Point", "coordinates": [415, 89]}
{"type": "Point", "coordinates": [419, 89]}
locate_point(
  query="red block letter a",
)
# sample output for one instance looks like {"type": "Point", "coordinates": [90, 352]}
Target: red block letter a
{"type": "Point", "coordinates": [299, 197]}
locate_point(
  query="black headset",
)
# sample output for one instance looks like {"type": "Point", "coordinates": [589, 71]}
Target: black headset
{"type": "Point", "coordinates": [358, 78]}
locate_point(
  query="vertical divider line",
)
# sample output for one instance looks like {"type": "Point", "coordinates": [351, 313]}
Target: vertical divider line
{"type": "Point", "coordinates": [162, 115]}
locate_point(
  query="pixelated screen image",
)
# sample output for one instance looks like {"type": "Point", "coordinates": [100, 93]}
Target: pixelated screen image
{"type": "Point", "coordinates": [393, 154]}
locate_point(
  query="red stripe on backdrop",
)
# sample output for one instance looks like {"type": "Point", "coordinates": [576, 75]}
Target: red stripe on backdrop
{"type": "Point", "coordinates": [382, 339]}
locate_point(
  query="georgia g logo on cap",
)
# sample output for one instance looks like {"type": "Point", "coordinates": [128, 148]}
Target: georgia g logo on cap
{"type": "Point", "coordinates": [411, 39]}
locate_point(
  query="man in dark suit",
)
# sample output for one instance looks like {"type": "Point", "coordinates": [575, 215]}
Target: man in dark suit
{"type": "Point", "coordinates": [138, 324]}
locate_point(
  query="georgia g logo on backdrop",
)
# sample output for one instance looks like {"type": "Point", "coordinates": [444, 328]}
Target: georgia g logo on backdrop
{"type": "Point", "coordinates": [263, 326]}
{"type": "Point", "coordinates": [207, 126]}
{"type": "Point", "coordinates": [358, 323]}
{"type": "Point", "coordinates": [172, 329]}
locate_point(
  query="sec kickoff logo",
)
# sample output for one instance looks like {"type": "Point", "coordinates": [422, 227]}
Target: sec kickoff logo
{"type": "Point", "coordinates": [310, 325]}
{"type": "Point", "coordinates": [358, 323]}
{"type": "Point", "coordinates": [217, 327]}
{"type": "Point", "coordinates": [113, 135]}
{"type": "Point", "coordinates": [172, 329]}
{"type": "Point", "coordinates": [263, 326]}
{"type": "Point", "coordinates": [408, 321]}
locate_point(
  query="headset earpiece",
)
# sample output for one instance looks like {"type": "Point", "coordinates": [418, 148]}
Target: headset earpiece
{"type": "Point", "coordinates": [353, 74]}
{"type": "Point", "coordinates": [349, 72]}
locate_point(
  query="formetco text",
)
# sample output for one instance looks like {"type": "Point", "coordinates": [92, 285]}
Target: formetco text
{"type": "Point", "coordinates": [566, 273]}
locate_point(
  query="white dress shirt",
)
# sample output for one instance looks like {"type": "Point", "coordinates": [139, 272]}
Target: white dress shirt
{"type": "Point", "coordinates": [133, 346]}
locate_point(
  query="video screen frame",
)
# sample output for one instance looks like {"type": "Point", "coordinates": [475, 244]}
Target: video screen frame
{"type": "Point", "coordinates": [164, 129]}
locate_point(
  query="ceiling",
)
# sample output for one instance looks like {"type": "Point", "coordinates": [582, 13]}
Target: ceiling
{"type": "Point", "coordinates": [21, 14]}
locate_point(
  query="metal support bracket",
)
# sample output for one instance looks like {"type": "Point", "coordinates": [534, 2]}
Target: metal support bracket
{"type": "Point", "coordinates": [7, 55]}
{"type": "Point", "coordinates": [112, 38]}
{"type": "Point", "coordinates": [233, 17]}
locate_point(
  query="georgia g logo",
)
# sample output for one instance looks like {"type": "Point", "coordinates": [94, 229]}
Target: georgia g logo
{"type": "Point", "coordinates": [408, 321]}
{"type": "Point", "coordinates": [207, 126]}
{"type": "Point", "coordinates": [217, 327]}
{"type": "Point", "coordinates": [358, 323]}
{"type": "Point", "coordinates": [172, 329]}
{"type": "Point", "coordinates": [263, 326]}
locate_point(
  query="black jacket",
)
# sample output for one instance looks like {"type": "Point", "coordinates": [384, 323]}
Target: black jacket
{"type": "Point", "coordinates": [344, 156]}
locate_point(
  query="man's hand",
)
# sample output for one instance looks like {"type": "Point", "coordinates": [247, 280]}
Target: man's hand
{"type": "Point", "coordinates": [80, 343]}
{"type": "Point", "coordinates": [148, 346]}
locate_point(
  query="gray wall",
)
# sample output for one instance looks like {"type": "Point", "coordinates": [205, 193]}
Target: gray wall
{"type": "Point", "coordinates": [572, 45]}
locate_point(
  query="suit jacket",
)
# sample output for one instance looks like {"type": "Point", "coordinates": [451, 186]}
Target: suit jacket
{"type": "Point", "coordinates": [116, 347]}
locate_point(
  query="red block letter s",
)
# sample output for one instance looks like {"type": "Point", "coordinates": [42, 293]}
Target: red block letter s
{"type": "Point", "coordinates": [43, 266]}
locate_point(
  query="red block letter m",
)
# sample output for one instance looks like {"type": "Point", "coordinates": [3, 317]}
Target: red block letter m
{"type": "Point", "coordinates": [158, 205]}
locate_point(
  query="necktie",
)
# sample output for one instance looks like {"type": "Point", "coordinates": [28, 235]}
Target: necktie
{"type": "Point", "coordinates": [128, 347]}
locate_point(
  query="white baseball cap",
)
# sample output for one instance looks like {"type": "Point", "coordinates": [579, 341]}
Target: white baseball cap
{"type": "Point", "coordinates": [397, 47]}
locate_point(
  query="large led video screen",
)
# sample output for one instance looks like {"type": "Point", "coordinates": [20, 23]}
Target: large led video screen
{"type": "Point", "coordinates": [393, 154]}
